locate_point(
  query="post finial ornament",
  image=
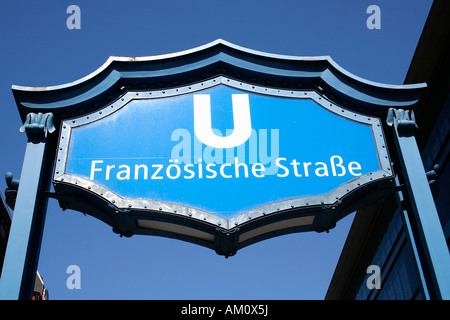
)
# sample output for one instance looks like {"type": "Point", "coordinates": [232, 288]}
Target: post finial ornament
{"type": "Point", "coordinates": [38, 125]}
{"type": "Point", "coordinates": [404, 120]}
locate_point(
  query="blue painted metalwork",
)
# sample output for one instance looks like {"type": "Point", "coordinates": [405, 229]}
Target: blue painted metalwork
{"type": "Point", "coordinates": [38, 125]}
{"type": "Point", "coordinates": [121, 77]}
{"type": "Point", "coordinates": [120, 74]}
{"type": "Point", "coordinates": [11, 190]}
{"type": "Point", "coordinates": [187, 185]}
{"type": "Point", "coordinates": [428, 236]}
{"type": "Point", "coordinates": [409, 231]}
{"type": "Point", "coordinates": [22, 252]}
{"type": "Point", "coordinates": [433, 178]}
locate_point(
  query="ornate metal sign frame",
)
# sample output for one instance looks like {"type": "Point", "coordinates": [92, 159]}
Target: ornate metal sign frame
{"type": "Point", "coordinates": [191, 224]}
{"type": "Point", "coordinates": [50, 113]}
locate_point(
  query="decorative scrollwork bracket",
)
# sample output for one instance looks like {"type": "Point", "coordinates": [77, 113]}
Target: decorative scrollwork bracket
{"type": "Point", "coordinates": [403, 120]}
{"type": "Point", "coordinates": [38, 125]}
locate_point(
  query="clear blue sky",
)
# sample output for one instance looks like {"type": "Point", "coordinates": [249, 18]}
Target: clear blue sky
{"type": "Point", "coordinates": [37, 49]}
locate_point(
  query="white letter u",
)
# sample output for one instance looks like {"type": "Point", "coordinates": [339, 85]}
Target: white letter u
{"type": "Point", "coordinates": [241, 118]}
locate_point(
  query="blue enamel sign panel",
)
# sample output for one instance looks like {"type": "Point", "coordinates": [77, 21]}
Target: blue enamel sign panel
{"type": "Point", "coordinates": [221, 150]}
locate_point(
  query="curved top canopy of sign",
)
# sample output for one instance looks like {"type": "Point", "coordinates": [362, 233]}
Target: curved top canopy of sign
{"type": "Point", "coordinates": [219, 57]}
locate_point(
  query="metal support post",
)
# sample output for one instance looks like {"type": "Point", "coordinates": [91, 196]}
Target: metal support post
{"type": "Point", "coordinates": [22, 252]}
{"type": "Point", "coordinates": [426, 227]}
{"type": "Point", "coordinates": [410, 235]}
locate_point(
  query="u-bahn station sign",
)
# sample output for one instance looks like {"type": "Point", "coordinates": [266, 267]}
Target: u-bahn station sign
{"type": "Point", "coordinates": [221, 157]}
{"type": "Point", "coordinates": [219, 145]}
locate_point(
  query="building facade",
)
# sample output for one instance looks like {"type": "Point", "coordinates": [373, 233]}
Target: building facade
{"type": "Point", "coordinates": [379, 236]}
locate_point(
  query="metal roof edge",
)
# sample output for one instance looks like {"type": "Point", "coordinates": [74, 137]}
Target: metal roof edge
{"type": "Point", "coordinates": [218, 42]}
{"type": "Point", "coordinates": [316, 71]}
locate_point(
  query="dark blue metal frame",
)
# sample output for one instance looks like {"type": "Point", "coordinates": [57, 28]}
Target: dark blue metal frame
{"type": "Point", "coordinates": [319, 213]}
{"type": "Point", "coordinates": [425, 229]}
{"type": "Point", "coordinates": [219, 58]}
{"type": "Point", "coordinates": [120, 74]}
{"type": "Point", "coordinates": [24, 242]}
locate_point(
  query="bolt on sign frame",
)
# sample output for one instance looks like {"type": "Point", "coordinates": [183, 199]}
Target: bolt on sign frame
{"type": "Point", "coordinates": [151, 146]}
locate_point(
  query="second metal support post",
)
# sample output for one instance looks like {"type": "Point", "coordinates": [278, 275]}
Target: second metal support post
{"type": "Point", "coordinates": [23, 247]}
{"type": "Point", "coordinates": [425, 224]}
